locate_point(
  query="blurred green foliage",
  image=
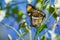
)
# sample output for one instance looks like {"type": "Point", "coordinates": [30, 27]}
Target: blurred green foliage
{"type": "Point", "coordinates": [22, 25]}
{"type": "Point", "coordinates": [39, 4]}
{"type": "Point", "coordinates": [13, 11]}
{"type": "Point", "coordinates": [42, 37]}
{"type": "Point", "coordinates": [40, 29]}
{"type": "Point", "coordinates": [51, 10]}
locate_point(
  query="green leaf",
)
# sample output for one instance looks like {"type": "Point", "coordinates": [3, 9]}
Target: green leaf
{"type": "Point", "coordinates": [0, 7]}
{"type": "Point", "coordinates": [26, 30]}
{"type": "Point", "coordinates": [20, 14]}
{"type": "Point", "coordinates": [13, 12]}
{"type": "Point", "coordinates": [39, 4]}
{"type": "Point", "coordinates": [8, 7]}
{"type": "Point", "coordinates": [47, 6]}
{"type": "Point", "coordinates": [22, 25]}
{"type": "Point", "coordinates": [42, 37]}
{"type": "Point", "coordinates": [51, 10]}
{"type": "Point", "coordinates": [39, 1]}
{"type": "Point", "coordinates": [40, 29]}
{"type": "Point", "coordinates": [7, 14]}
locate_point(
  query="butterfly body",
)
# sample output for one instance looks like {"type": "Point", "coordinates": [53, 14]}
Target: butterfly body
{"type": "Point", "coordinates": [35, 15]}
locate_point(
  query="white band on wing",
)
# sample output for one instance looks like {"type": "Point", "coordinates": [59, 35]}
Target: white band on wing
{"type": "Point", "coordinates": [35, 17]}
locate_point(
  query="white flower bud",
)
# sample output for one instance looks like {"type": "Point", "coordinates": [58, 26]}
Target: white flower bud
{"type": "Point", "coordinates": [7, 1]}
{"type": "Point", "coordinates": [29, 1]}
{"type": "Point", "coordinates": [2, 14]}
{"type": "Point", "coordinates": [57, 3]}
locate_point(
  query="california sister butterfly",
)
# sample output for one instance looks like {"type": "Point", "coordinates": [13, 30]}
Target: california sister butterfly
{"type": "Point", "coordinates": [35, 15]}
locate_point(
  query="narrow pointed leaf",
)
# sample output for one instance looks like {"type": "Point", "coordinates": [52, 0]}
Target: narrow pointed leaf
{"type": "Point", "coordinates": [20, 14]}
{"type": "Point", "coordinates": [40, 29]}
{"type": "Point", "coordinates": [51, 10]}
{"type": "Point", "coordinates": [22, 25]}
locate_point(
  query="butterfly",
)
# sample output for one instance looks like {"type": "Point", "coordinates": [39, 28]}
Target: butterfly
{"type": "Point", "coordinates": [36, 16]}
